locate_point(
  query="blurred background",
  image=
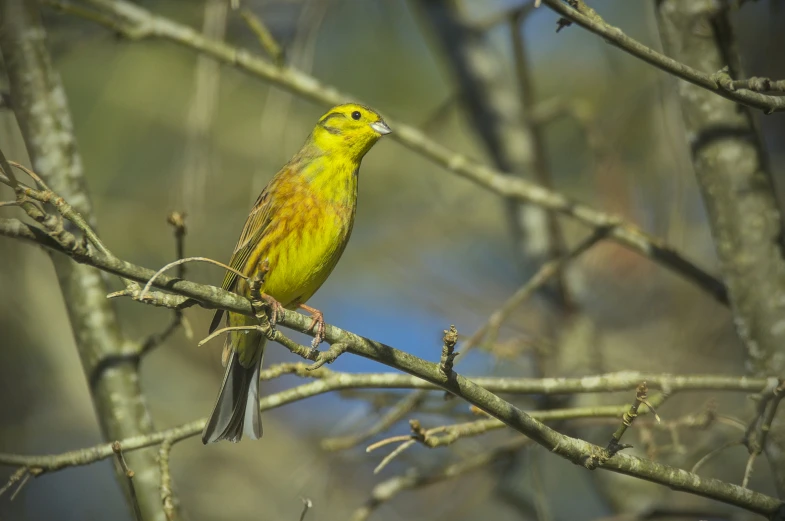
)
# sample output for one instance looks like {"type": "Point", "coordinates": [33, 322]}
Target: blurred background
{"type": "Point", "coordinates": [162, 129]}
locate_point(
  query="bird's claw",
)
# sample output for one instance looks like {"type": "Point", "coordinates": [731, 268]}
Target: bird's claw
{"type": "Point", "coordinates": [276, 309]}
{"type": "Point", "coordinates": [317, 326]}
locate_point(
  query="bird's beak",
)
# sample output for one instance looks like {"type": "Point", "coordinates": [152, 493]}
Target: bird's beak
{"type": "Point", "coordinates": [381, 127]}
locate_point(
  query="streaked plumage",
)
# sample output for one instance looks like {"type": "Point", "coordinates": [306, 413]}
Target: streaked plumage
{"type": "Point", "coordinates": [300, 225]}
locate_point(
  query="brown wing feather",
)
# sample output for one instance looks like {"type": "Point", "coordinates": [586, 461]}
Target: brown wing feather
{"type": "Point", "coordinates": [253, 231]}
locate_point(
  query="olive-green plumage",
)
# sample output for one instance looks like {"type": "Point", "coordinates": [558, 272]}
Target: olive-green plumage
{"type": "Point", "coordinates": [299, 225]}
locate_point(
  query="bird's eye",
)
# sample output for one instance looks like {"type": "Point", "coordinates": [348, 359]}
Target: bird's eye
{"type": "Point", "coordinates": [356, 115]}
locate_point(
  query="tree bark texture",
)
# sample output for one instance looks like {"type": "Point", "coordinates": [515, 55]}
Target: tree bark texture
{"type": "Point", "coordinates": [40, 105]}
{"type": "Point", "coordinates": [732, 172]}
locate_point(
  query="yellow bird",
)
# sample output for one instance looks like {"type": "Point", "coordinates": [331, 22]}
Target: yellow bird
{"type": "Point", "coordinates": [298, 228]}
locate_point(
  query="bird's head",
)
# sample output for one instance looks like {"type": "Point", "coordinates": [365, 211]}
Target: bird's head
{"type": "Point", "coordinates": [351, 129]}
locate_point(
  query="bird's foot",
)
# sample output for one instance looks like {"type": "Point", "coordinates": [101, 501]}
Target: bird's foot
{"type": "Point", "coordinates": [276, 309]}
{"type": "Point", "coordinates": [317, 325]}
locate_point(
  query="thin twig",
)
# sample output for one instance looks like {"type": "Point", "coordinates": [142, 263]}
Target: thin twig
{"type": "Point", "coordinates": [227, 329]}
{"type": "Point", "coordinates": [307, 505]}
{"type": "Point", "coordinates": [546, 271]}
{"type": "Point", "coordinates": [46, 195]}
{"type": "Point", "coordinates": [388, 489]}
{"type": "Point", "coordinates": [155, 298]}
{"type": "Point", "coordinates": [445, 435]}
{"type": "Point", "coordinates": [748, 469]}
{"type": "Point", "coordinates": [15, 477]}
{"type": "Point", "coordinates": [391, 456]}
{"type": "Point", "coordinates": [177, 220]}
{"type": "Point", "coordinates": [118, 452]}
{"type": "Point", "coordinates": [265, 37]}
{"type": "Point", "coordinates": [26, 199]}
{"type": "Point", "coordinates": [757, 84]}
{"type": "Point", "coordinates": [22, 483]}
{"type": "Point", "coordinates": [35, 177]}
{"type": "Point", "coordinates": [178, 262]}
{"type": "Point", "coordinates": [448, 351]}
{"type": "Point", "coordinates": [393, 416]}
{"type": "Point", "coordinates": [758, 431]}
{"type": "Point", "coordinates": [629, 416]}
{"type": "Point", "coordinates": [392, 439]}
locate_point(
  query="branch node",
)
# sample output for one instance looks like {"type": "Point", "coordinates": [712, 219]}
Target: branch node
{"type": "Point", "coordinates": [448, 351]}
{"type": "Point", "coordinates": [723, 80]}
{"type": "Point", "coordinates": [329, 356]}
{"type": "Point", "coordinates": [118, 451]}
{"type": "Point", "coordinates": [641, 397]}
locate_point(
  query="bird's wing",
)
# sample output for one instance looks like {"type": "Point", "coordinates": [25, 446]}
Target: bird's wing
{"type": "Point", "coordinates": [253, 231]}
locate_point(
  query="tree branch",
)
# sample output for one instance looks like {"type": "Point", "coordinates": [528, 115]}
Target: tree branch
{"type": "Point", "coordinates": [577, 451]}
{"type": "Point", "coordinates": [732, 171]}
{"type": "Point", "coordinates": [39, 103]}
{"type": "Point", "coordinates": [708, 80]}
{"type": "Point", "coordinates": [388, 489]}
{"type": "Point", "coordinates": [134, 22]}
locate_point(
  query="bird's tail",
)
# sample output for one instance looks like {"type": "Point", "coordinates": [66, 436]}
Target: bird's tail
{"type": "Point", "coordinates": [236, 411]}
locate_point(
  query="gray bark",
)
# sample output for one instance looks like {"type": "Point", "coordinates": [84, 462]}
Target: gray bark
{"type": "Point", "coordinates": [41, 109]}
{"type": "Point", "coordinates": [732, 172]}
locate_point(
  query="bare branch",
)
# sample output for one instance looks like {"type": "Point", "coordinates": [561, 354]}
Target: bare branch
{"type": "Point", "coordinates": [590, 20]}
{"type": "Point", "coordinates": [21, 476]}
{"type": "Point", "coordinates": [714, 453]}
{"type": "Point", "coordinates": [546, 271]}
{"type": "Point", "coordinates": [134, 22]}
{"type": "Point", "coordinates": [167, 497]}
{"type": "Point", "coordinates": [307, 505]}
{"type": "Point", "coordinates": [445, 435]}
{"type": "Point", "coordinates": [737, 187]}
{"type": "Point", "coordinates": [388, 489]}
{"type": "Point", "coordinates": [180, 262]}
{"type": "Point", "coordinates": [758, 431]}
{"type": "Point", "coordinates": [629, 416]}
{"type": "Point", "coordinates": [448, 351]}
{"type": "Point", "coordinates": [575, 450]}
{"type": "Point", "coordinates": [265, 37]}
{"type": "Point", "coordinates": [756, 84]}
{"type": "Point", "coordinates": [396, 414]}
{"type": "Point", "coordinates": [177, 220]}
{"type": "Point", "coordinates": [118, 452]}
{"type": "Point", "coordinates": [41, 109]}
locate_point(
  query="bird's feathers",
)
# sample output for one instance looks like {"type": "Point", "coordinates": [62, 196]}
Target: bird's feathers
{"type": "Point", "coordinates": [299, 226]}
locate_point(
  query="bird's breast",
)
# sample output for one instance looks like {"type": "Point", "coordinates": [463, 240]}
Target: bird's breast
{"type": "Point", "coordinates": [311, 236]}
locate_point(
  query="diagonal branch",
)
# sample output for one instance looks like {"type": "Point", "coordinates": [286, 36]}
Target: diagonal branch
{"type": "Point", "coordinates": [575, 450]}
{"type": "Point", "coordinates": [588, 18]}
{"type": "Point", "coordinates": [135, 22]}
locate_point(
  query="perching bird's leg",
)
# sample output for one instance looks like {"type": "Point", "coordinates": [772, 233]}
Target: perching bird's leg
{"type": "Point", "coordinates": [317, 324]}
{"type": "Point", "coordinates": [276, 309]}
